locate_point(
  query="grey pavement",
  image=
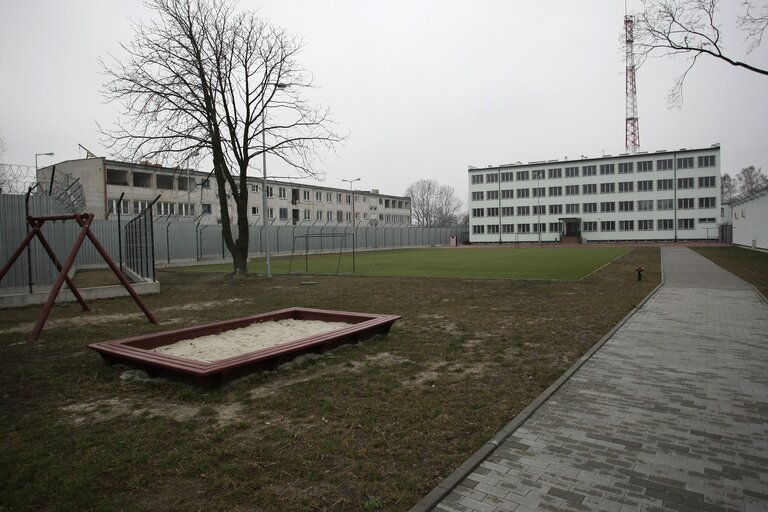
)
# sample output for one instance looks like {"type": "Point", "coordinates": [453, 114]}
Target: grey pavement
{"type": "Point", "coordinates": [670, 414]}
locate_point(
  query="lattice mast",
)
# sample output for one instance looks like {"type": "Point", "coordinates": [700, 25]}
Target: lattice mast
{"type": "Point", "coordinates": [632, 128]}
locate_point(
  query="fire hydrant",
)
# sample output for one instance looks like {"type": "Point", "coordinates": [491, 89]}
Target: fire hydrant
{"type": "Point", "coordinates": [639, 271]}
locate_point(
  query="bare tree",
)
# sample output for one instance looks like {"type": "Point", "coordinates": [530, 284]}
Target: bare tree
{"type": "Point", "coordinates": [432, 204]}
{"type": "Point", "coordinates": [750, 179]}
{"type": "Point", "coordinates": [728, 187]}
{"type": "Point", "coordinates": [690, 28]}
{"type": "Point", "coordinates": [199, 78]}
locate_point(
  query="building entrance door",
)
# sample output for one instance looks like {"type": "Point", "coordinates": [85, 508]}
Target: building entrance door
{"type": "Point", "coordinates": [572, 227]}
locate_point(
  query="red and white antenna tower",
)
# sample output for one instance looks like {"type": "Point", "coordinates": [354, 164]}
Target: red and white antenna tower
{"type": "Point", "coordinates": [632, 128]}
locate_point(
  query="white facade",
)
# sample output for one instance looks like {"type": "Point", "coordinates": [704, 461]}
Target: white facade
{"type": "Point", "coordinates": [750, 219]}
{"type": "Point", "coordinates": [188, 194]}
{"type": "Point", "coordinates": [666, 195]}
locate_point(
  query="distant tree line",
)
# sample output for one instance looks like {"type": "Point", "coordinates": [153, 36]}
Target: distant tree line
{"type": "Point", "coordinates": [434, 205]}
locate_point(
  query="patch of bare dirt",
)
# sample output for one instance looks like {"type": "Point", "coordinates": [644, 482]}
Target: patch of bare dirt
{"type": "Point", "coordinates": [380, 359]}
{"type": "Point", "coordinates": [87, 319]}
{"type": "Point", "coordinates": [98, 411]}
{"type": "Point", "coordinates": [441, 371]}
{"type": "Point", "coordinates": [106, 409]}
{"type": "Point", "coordinates": [192, 306]}
{"type": "Point", "coordinates": [98, 319]}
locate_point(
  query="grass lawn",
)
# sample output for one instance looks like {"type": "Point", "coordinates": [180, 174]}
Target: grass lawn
{"type": "Point", "coordinates": [751, 266]}
{"type": "Point", "coordinates": [482, 262]}
{"type": "Point", "coordinates": [373, 426]}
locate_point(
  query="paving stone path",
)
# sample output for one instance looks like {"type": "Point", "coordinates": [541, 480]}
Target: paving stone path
{"type": "Point", "coordinates": [670, 414]}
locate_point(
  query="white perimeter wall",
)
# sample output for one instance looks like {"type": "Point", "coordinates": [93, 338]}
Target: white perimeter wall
{"type": "Point", "coordinates": [750, 223]}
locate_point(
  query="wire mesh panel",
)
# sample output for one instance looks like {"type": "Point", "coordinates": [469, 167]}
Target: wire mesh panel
{"type": "Point", "coordinates": [139, 240]}
{"type": "Point", "coordinates": [33, 268]}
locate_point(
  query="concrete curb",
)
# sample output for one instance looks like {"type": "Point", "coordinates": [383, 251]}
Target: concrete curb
{"type": "Point", "coordinates": [431, 500]}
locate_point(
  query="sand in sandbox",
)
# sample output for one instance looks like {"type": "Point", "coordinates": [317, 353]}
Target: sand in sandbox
{"type": "Point", "coordinates": [257, 336]}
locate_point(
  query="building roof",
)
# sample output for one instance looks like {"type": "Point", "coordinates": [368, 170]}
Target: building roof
{"type": "Point", "coordinates": [622, 156]}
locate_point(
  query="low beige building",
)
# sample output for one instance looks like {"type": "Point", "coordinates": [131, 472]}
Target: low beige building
{"type": "Point", "coordinates": [186, 193]}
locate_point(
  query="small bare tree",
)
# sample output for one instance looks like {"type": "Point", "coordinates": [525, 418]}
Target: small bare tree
{"type": "Point", "coordinates": [433, 205]}
{"type": "Point", "coordinates": [690, 28]}
{"type": "Point", "coordinates": [199, 78]}
{"type": "Point", "coordinates": [751, 179]}
{"type": "Point", "coordinates": [728, 188]}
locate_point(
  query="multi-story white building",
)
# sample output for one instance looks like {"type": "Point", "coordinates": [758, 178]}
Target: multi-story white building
{"type": "Point", "coordinates": [666, 195]}
{"type": "Point", "coordinates": [188, 194]}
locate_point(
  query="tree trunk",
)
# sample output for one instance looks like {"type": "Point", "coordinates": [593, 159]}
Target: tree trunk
{"type": "Point", "coordinates": [240, 254]}
{"type": "Point", "coordinates": [240, 259]}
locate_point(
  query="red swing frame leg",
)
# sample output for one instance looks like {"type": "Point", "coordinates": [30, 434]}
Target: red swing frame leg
{"type": "Point", "coordinates": [85, 221]}
{"type": "Point", "coordinates": [24, 243]}
{"type": "Point", "coordinates": [52, 255]}
{"type": "Point", "coordinates": [135, 296]}
{"type": "Point", "coordinates": [46, 311]}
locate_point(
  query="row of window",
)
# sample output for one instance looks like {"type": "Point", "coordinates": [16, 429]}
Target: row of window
{"type": "Point", "coordinates": [687, 203]}
{"type": "Point", "coordinates": [592, 188]}
{"type": "Point", "coordinates": [162, 208]}
{"type": "Point", "coordinates": [148, 180]}
{"type": "Point", "coordinates": [591, 226]}
{"type": "Point", "coordinates": [331, 215]}
{"type": "Point", "coordinates": [329, 197]}
{"type": "Point", "coordinates": [170, 182]}
{"type": "Point", "coordinates": [665, 164]}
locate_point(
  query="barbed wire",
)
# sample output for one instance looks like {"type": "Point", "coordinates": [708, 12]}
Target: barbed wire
{"type": "Point", "coordinates": [16, 179]}
{"type": "Point", "coordinates": [65, 189]}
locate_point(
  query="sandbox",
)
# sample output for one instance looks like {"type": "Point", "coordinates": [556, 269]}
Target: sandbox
{"type": "Point", "coordinates": [139, 351]}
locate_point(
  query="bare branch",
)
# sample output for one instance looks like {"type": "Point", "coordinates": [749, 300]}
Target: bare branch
{"type": "Point", "coordinates": [203, 77]}
{"type": "Point", "coordinates": [689, 28]}
{"type": "Point", "coordinates": [754, 22]}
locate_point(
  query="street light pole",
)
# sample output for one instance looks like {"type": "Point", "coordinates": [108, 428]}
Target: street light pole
{"type": "Point", "coordinates": [538, 203]}
{"type": "Point", "coordinates": [189, 189]}
{"type": "Point", "coordinates": [29, 249]}
{"type": "Point", "coordinates": [352, 198]}
{"type": "Point", "coordinates": [264, 173]}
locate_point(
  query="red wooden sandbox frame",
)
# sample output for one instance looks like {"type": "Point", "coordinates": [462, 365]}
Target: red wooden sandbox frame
{"type": "Point", "coordinates": [136, 351]}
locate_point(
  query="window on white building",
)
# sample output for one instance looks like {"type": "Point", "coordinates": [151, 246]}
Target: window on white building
{"type": "Point", "coordinates": [626, 225]}
{"type": "Point", "coordinates": [114, 207]}
{"type": "Point", "coordinates": [645, 225]}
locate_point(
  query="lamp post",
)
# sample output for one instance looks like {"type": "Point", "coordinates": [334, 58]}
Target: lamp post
{"type": "Point", "coordinates": [352, 198]}
{"type": "Point", "coordinates": [189, 189]}
{"type": "Point", "coordinates": [538, 203]}
{"type": "Point", "coordinates": [29, 250]}
{"type": "Point", "coordinates": [41, 154]}
{"type": "Point", "coordinates": [277, 85]}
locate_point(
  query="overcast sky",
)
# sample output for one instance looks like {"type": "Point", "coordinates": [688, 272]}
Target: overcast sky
{"type": "Point", "coordinates": [424, 88]}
